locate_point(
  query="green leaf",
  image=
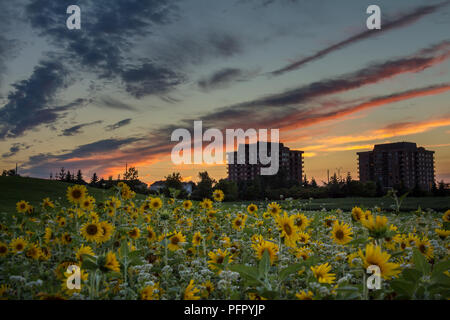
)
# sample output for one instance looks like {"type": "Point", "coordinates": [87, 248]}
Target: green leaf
{"type": "Point", "coordinates": [411, 275]}
{"type": "Point", "coordinates": [89, 262]}
{"type": "Point", "coordinates": [403, 288]}
{"type": "Point", "coordinates": [286, 272]}
{"type": "Point", "coordinates": [135, 257]}
{"type": "Point", "coordinates": [264, 265]}
{"type": "Point", "coordinates": [124, 249]}
{"type": "Point", "coordinates": [421, 262]}
{"type": "Point", "coordinates": [358, 241]}
{"type": "Point", "coordinates": [246, 272]}
{"type": "Point", "coordinates": [440, 268]}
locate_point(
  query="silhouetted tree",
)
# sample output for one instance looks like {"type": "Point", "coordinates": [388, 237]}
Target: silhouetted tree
{"type": "Point", "coordinates": [94, 179]}
{"type": "Point", "coordinates": [131, 174]}
{"type": "Point", "coordinates": [62, 174]}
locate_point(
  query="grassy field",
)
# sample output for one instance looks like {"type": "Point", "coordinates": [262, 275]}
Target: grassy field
{"type": "Point", "coordinates": [33, 190]}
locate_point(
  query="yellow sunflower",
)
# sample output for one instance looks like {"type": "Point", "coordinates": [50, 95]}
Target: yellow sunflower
{"type": "Point", "coordinates": [156, 203]}
{"type": "Point", "coordinates": [151, 292]}
{"type": "Point", "coordinates": [208, 288]}
{"type": "Point", "coordinates": [187, 204]}
{"type": "Point", "coordinates": [66, 238]}
{"type": "Point", "coordinates": [442, 233]}
{"type": "Point", "coordinates": [374, 256]}
{"type": "Point", "coordinates": [18, 245]}
{"type": "Point", "coordinates": [83, 250]}
{"type": "Point", "coordinates": [341, 233]}
{"type": "Point", "coordinates": [22, 206]}
{"type": "Point", "coordinates": [206, 204]}
{"type": "Point", "coordinates": [303, 237]}
{"type": "Point", "coordinates": [357, 213]}
{"type": "Point", "coordinates": [47, 203]}
{"type": "Point", "coordinates": [322, 273]}
{"type": "Point", "coordinates": [274, 208]}
{"type": "Point", "coordinates": [218, 195]}
{"type": "Point", "coordinates": [151, 235]}
{"type": "Point", "coordinates": [33, 251]}
{"type": "Point", "coordinates": [87, 203]}
{"type": "Point", "coordinates": [191, 291]}
{"type": "Point", "coordinates": [111, 262]}
{"type": "Point", "coordinates": [301, 221]}
{"type": "Point", "coordinates": [446, 216]}
{"type": "Point", "coordinates": [76, 193]}
{"type": "Point", "coordinates": [218, 258]}
{"type": "Point", "coordinates": [262, 246]}
{"type": "Point", "coordinates": [238, 223]}
{"type": "Point", "coordinates": [197, 239]}
{"type": "Point", "coordinates": [108, 230]}
{"type": "Point", "coordinates": [377, 225]}
{"type": "Point", "coordinates": [134, 233]}
{"type": "Point", "coordinates": [287, 228]}
{"type": "Point", "coordinates": [252, 208]}
{"type": "Point", "coordinates": [176, 240]}
{"type": "Point", "coordinates": [425, 248]}
{"type": "Point", "coordinates": [329, 220]}
{"type": "Point", "coordinates": [92, 231]}
{"type": "Point", "coordinates": [304, 295]}
{"type": "Point", "coordinates": [3, 249]}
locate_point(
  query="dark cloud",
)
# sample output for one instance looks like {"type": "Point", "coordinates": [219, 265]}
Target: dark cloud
{"type": "Point", "coordinates": [388, 24]}
{"type": "Point", "coordinates": [113, 103]}
{"type": "Point", "coordinates": [148, 78]}
{"type": "Point", "coordinates": [195, 48]}
{"type": "Point", "coordinates": [223, 78]}
{"type": "Point", "coordinates": [118, 125]}
{"type": "Point", "coordinates": [108, 30]}
{"type": "Point", "coordinates": [29, 104]}
{"type": "Point", "coordinates": [297, 98]}
{"type": "Point", "coordinates": [43, 163]}
{"type": "Point", "coordinates": [14, 149]}
{"type": "Point", "coordinates": [77, 129]}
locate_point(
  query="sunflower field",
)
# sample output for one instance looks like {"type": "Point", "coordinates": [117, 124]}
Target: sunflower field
{"type": "Point", "coordinates": [166, 248]}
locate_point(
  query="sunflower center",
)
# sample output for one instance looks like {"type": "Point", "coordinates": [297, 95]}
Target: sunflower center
{"type": "Point", "coordinates": [2, 249]}
{"type": "Point", "coordinates": [174, 240]}
{"type": "Point", "coordinates": [220, 259]}
{"type": "Point", "coordinates": [299, 222]}
{"type": "Point", "coordinates": [422, 248]}
{"type": "Point", "coordinates": [19, 247]}
{"type": "Point", "coordinates": [91, 229]}
{"type": "Point", "coordinates": [76, 194]}
{"type": "Point", "coordinates": [287, 229]}
{"type": "Point", "coordinates": [339, 234]}
{"type": "Point", "coordinates": [238, 222]}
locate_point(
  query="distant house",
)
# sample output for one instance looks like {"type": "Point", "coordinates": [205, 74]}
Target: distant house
{"type": "Point", "coordinates": [188, 186]}
{"type": "Point", "coordinates": [157, 185]}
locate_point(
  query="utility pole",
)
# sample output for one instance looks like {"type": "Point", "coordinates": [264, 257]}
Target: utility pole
{"type": "Point", "coordinates": [328, 175]}
{"type": "Point", "coordinates": [17, 173]}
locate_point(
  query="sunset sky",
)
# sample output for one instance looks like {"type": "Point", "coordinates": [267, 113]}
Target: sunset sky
{"type": "Point", "coordinates": [113, 92]}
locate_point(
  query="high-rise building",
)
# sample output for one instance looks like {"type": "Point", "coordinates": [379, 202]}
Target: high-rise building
{"type": "Point", "coordinates": [396, 164]}
{"type": "Point", "coordinates": [290, 161]}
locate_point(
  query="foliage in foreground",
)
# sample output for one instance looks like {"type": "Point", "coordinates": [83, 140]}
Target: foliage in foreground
{"type": "Point", "coordinates": [164, 248]}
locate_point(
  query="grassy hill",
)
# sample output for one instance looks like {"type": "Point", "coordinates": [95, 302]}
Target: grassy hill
{"type": "Point", "coordinates": [33, 190]}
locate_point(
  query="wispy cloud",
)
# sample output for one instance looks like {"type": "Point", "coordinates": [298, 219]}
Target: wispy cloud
{"type": "Point", "coordinates": [30, 103]}
{"type": "Point", "coordinates": [118, 125]}
{"type": "Point", "coordinates": [14, 149]}
{"type": "Point", "coordinates": [224, 78]}
{"type": "Point", "coordinates": [77, 129]}
{"type": "Point", "coordinates": [388, 25]}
